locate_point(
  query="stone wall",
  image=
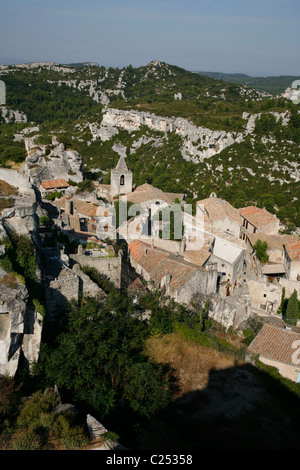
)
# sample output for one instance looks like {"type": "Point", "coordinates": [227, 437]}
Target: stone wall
{"type": "Point", "coordinates": [203, 282]}
{"type": "Point", "coordinates": [265, 297]}
{"type": "Point", "coordinates": [290, 286]}
{"type": "Point", "coordinates": [111, 268]}
{"type": "Point", "coordinates": [61, 290]}
{"type": "Point", "coordinates": [289, 371]}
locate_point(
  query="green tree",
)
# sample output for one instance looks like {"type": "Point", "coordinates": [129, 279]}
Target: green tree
{"type": "Point", "coordinates": [95, 355]}
{"type": "Point", "coordinates": [260, 249]}
{"type": "Point", "coordinates": [292, 310]}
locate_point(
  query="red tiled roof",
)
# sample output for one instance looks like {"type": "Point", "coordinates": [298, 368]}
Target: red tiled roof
{"type": "Point", "coordinates": [198, 257]}
{"type": "Point", "coordinates": [257, 217]}
{"type": "Point", "coordinates": [293, 250]}
{"type": "Point", "coordinates": [275, 343]}
{"type": "Point", "coordinates": [157, 263]}
{"type": "Point", "coordinates": [54, 184]}
{"type": "Point", "coordinates": [273, 241]}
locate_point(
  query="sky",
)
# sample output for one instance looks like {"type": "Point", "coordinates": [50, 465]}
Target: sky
{"type": "Point", "coordinates": [255, 37]}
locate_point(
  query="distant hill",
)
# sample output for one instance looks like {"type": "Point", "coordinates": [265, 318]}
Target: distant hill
{"type": "Point", "coordinates": [273, 84]}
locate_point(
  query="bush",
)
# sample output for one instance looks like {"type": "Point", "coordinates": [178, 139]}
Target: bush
{"type": "Point", "coordinates": [261, 251]}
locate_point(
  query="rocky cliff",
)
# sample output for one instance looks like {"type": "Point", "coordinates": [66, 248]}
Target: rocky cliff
{"type": "Point", "coordinates": [20, 325]}
{"type": "Point", "coordinates": [198, 143]}
{"type": "Point", "coordinates": [58, 162]}
{"type": "Point", "coordinates": [21, 215]}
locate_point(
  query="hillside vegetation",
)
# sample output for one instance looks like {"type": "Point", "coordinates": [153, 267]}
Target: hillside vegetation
{"type": "Point", "coordinates": [262, 169]}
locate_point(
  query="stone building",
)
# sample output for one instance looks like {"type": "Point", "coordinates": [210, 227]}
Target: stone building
{"type": "Point", "coordinates": [278, 347]}
{"type": "Point", "coordinates": [181, 279]}
{"type": "Point", "coordinates": [110, 267]}
{"type": "Point", "coordinates": [49, 186]}
{"type": "Point", "coordinates": [256, 220]}
{"type": "Point", "coordinates": [120, 179]}
{"type": "Point", "coordinates": [220, 214]}
{"type": "Point", "coordinates": [276, 266]}
{"type": "Point", "coordinates": [292, 260]}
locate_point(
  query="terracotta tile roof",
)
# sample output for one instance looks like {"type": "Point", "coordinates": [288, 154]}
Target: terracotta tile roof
{"type": "Point", "coordinates": [137, 249]}
{"type": "Point", "coordinates": [273, 241]}
{"type": "Point", "coordinates": [157, 263]}
{"type": "Point", "coordinates": [293, 249]}
{"type": "Point", "coordinates": [54, 184]}
{"type": "Point", "coordinates": [275, 343]}
{"type": "Point", "coordinates": [217, 209]}
{"type": "Point", "coordinates": [257, 217]}
{"type": "Point", "coordinates": [85, 208]}
{"type": "Point", "coordinates": [198, 257]}
{"type": "Point", "coordinates": [146, 192]}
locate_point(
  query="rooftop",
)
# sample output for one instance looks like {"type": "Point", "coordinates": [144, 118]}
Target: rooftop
{"type": "Point", "coordinates": [146, 193]}
{"type": "Point", "coordinates": [54, 184]}
{"type": "Point", "coordinates": [85, 208]}
{"type": "Point", "coordinates": [275, 343]}
{"type": "Point", "coordinates": [219, 208]}
{"type": "Point", "coordinates": [257, 217]}
{"type": "Point", "coordinates": [198, 257]}
{"type": "Point", "coordinates": [274, 241]}
{"type": "Point", "coordinates": [121, 166]}
{"type": "Point", "coordinates": [293, 249]}
{"type": "Point", "coordinates": [157, 263]}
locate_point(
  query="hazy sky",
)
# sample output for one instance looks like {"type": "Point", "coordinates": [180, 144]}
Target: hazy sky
{"type": "Point", "coordinates": [257, 37]}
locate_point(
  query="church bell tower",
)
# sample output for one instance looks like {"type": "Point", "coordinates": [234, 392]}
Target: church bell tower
{"type": "Point", "coordinates": [120, 179]}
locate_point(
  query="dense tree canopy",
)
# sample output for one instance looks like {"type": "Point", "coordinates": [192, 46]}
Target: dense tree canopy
{"type": "Point", "coordinates": [99, 358]}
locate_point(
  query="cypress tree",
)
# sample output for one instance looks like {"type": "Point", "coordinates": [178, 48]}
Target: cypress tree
{"type": "Point", "coordinates": [292, 310]}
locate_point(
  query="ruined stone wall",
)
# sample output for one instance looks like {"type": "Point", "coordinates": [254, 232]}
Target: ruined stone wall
{"type": "Point", "coordinates": [59, 292]}
{"type": "Point", "coordinates": [265, 297]}
{"type": "Point", "coordinates": [109, 267]}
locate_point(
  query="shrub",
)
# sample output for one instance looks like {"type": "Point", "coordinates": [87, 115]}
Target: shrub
{"type": "Point", "coordinates": [261, 251]}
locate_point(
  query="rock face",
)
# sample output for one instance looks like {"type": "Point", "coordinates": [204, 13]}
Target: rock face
{"type": "Point", "coordinates": [21, 217]}
{"type": "Point", "coordinates": [293, 94]}
{"type": "Point", "coordinates": [199, 143]}
{"type": "Point", "coordinates": [59, 163]}
{"type": "Point", "coordinates": [20, 325]}
{"type": "Point", "coordinates": [13, 116]}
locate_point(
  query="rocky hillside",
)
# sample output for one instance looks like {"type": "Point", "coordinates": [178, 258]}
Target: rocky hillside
{"type": "Point", "coordinates": [180, 131]}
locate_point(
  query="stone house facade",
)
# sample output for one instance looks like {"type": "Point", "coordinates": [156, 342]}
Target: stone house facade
{"type": "Point", "coordinates": [292, 260]}
{"type": "Point", "coordinates": [180, 279]}
{"type": "Point", "coordinates": [280, 348]}
{"type": "Point", "coordinates": [256, 220]}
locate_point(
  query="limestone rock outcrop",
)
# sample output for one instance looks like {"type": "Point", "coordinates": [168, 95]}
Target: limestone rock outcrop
{"type": "Point", "coordinates": [10, 115]}
{"type": "Point", "coordinates": [198, 143]}
{"type": "Point", "coordinates": [21, 216]}
{"type": "Point", "coordinates": [20, 325]}
{"type": "Point", "coordinates": [59, 163]}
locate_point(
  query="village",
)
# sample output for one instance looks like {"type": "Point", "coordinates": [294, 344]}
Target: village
{"type": "Point", "coordinates": [210, 254]}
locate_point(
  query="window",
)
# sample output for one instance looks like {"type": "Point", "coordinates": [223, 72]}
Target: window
{"type": "Point", "coordinates": [122, 180]}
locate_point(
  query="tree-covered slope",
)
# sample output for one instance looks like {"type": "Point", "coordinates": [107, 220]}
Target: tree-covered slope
{"type": "Point", "coordinates": [262, 167]}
